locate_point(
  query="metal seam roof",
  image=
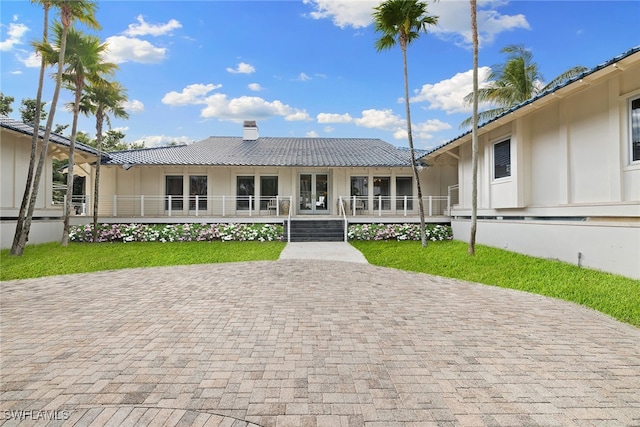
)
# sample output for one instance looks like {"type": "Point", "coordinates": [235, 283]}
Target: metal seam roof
{"type": "Point", "coordinates": [26, 129]}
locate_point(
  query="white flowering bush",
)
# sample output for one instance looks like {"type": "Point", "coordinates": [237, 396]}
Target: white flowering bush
{"type": "Point", "coordinates": [434, 232]}
{"type": "Point", "coordinates": [177, 232]}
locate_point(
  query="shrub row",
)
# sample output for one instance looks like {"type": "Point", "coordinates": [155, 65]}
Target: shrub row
{"type": "Point", "coordinates": [243, 232]}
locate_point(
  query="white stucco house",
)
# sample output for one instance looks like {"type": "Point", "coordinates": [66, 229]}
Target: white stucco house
{"type": "Point", "coordinates": [15, 151]}
{"type": "Point", "coordinates": [559, 176]}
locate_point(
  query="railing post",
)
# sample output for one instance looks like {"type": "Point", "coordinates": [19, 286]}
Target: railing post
{"type": "Point", "coordinates": [353, 206]}
{"type": "Point", "coordinates": [250, 200]}
{"type": "Point", "coordinates": [223, 205]}
{"type": "Point", "coordinates": [197, 204]}
{"type": "Point", "coordinates": [115, 205]}
{"type": "Point", "coordinates": [430, 205]}
{"type": "Point", "coordinates": [405, 205]}
{"type": "Point", "coordinates": [449, 204]}
{"type": "Point", "coordinates": [379, 205]}
{"type": "Point", "coordinates": [277, 205]}
{"type": "Point", "coordinates": [170, 205]}
{"type": "Point", "coordinates": [142, 205]}
{"type": "Point", "coordinates": [64, 205]}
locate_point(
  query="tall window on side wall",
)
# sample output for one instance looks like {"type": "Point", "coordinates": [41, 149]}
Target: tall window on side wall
{"type": "Point", "coordinates": [174, 188]}
{"type": "Point", "coordinates": [268, 190]}
{"type": "Point", "coordinates": [245, 190]}
{"type": "Point", "coordinates": [404, 187]}
{"type": "Point", "coordinates": [635, 129]}
{"type": "Point", "coordinates": [198, 187]}
{"type": "Point", "coordinates": [502, 159]}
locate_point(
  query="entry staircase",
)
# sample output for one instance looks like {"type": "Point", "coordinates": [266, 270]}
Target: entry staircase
{"type": "Point", "coordinates": [324, 230]}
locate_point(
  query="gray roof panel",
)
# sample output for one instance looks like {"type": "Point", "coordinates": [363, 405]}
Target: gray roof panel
{"type": "Point", "coordinates": [18, 126]}
{"type": "Point", "coordinates": [268, 151]}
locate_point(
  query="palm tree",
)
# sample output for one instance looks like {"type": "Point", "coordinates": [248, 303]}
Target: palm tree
{"type": "Point", "coordinates": [69, 11]}
{"type": "Point", "coordinates": [100, 99]}
{"type": "Point", "coordinates": [83, 62]}
{"type": "Point", "coordinates": [46, 5]}
{"type": "Point", "coordinates": [514, 82]}
{"type": "Point", "coordinates": [400, 22]}
{"type": "Point", "coordinates": [474, 131]}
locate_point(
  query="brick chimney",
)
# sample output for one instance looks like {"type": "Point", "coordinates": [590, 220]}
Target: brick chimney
{"type": "Point", "coordinates": [250, 130]}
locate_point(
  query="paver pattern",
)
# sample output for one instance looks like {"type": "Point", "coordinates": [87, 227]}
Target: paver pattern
{"type": "Point", "coordinates": [307, 343]}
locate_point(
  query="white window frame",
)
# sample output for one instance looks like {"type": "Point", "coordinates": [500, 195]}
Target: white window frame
{"type": "Point", "coordinates": [629, 113]}
{"type": "Point", "coordinates": [493, 159]}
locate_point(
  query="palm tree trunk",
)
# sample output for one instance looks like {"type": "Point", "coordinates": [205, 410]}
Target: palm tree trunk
{"type": "Point", "coordinates": [423, 232]}
{"type": "Point", "coordinates": [96, 184]}
{"type": "Point", "coordinates": [72, 145]}
{"type": "Point", "coordinates": [34, 148]}
{"type": "Point", "coordinates": [474, 133]}
{"type": "Point", "coordinates": [24, 236]}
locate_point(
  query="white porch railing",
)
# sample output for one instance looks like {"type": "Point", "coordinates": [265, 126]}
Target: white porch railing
{"type": "Point", "coordinates": [394, 206]}
{"type": "Point", "coordinates": [191, 206]}
{"type": "Point", "coordinates": [250, 206]}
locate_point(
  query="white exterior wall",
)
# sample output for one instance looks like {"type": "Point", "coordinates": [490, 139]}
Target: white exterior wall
{"type": "Point", "coordinates": [608, 247]}
{"type": "Point", "coordinates": [149, 181]}
{"type": "Point", "coordinates": [570, 157]}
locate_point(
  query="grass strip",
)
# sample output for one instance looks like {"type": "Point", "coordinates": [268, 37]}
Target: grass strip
{"type": "Point", "coordinates": [611, 294]}
{"type": "Point", "coordinates": [51, 259]}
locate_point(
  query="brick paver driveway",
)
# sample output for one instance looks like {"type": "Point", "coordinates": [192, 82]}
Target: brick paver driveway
{"type": "Point", "coordinates": [307, 343]}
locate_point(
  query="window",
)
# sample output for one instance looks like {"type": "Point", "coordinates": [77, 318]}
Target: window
{"type": "Point", "coordinates": [245, 190]}
{"type": "Point", "coordinates": [198, 187]}
{"type": "Point", "coordinates": [404, 187]}
{"type": "Point", "coordinates": [359, 188]}
{"type": "Point", "coordinates": [502, 159]}
{"type": "Point", "coordinates": [382, 187]}
{"type": "Point", "coordinates": [268, 190]}
{"type": "Point", "coordinates": [635, 129]}
{"type": "Point", "coordinates": [173, 188]}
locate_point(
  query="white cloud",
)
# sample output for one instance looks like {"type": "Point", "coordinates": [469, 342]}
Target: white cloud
{"type": "Point", "coordinates": [448, 95]}
{"type": "Point", "coordinates": [124, 49]}
{"type": "Point", "coordinates": [14, 36]}
{"type": "Point", "coordinates": [298, 116]}
{"type": "Point", "coordinates": [334, 118]}
{"type": "Point", "coordinates": [379, 119]}
{"type": "Point", "coordinates": [245, 108]}
{"type": "Point", "coordinates": [312, 134]}
{"type": "Point", "coordinates": [16, 72]}
{"type": "Point", "coordinates": [142, 28]}
{"type": "Point", "coordinates": [192, 94]}
{"type": "Point", "coordinates": [303, 77]}
{"type": "Point", "coordinates": [160, 140]}
{"type": "Point", "coordinates": [328, 129]}
{"type": "Point", "coordinates": [454, 19]}
{"type": "Point", "coordinates": [254, 87]}
{"type": "Point", "coordinates": [343, 13]}
{"type": "Point", "coordinates": [134, 106]}
{"type": "Point", "coordinates": [29, 59]}
{"type": "Point", "coordinates": [243, 68]}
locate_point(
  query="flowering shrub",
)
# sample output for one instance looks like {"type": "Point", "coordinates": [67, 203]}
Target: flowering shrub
{"type": "Point", "coordinates": [176, 232]}
{"type": "Point", "coordinates": [398, 232]}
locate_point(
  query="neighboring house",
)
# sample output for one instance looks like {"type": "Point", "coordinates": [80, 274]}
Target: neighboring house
{"type": "Point", "coordinates": [253, 176]}
{"type": "Point", "coordinates": [559, 176]}
{"type": "Point", "coordinates": [15, 151]}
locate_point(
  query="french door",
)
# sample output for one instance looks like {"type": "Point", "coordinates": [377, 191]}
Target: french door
{"type": "Point", "coordinates": [313, 197]}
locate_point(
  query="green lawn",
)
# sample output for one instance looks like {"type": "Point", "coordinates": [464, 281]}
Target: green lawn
{"type": "Point", "coordinates": [51, 259]}
{"type": "Point", "coordinates": [614, 295]}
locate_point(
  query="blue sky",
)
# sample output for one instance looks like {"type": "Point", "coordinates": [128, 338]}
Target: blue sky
{"type": "Point", "coordinates": [194, 69]}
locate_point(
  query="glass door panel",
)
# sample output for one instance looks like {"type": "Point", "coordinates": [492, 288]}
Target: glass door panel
{"type": "Point", "coordinates": [321, 201]}
{"type": "Point", "coordinates": [314, 194]}
{"type": "Point", "coordinates": [305, 204]}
